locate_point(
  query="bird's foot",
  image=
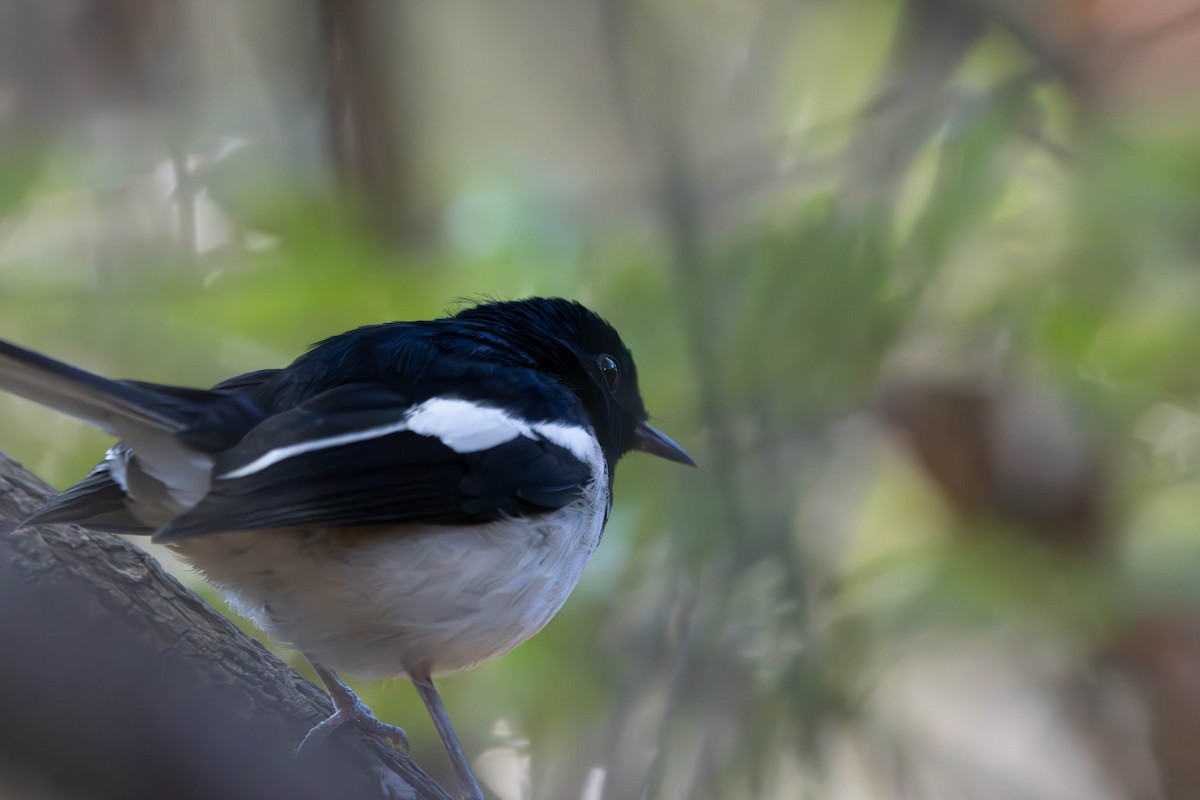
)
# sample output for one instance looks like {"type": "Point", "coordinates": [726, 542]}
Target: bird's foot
{"type": "Point", "coordinates": [349, 708]}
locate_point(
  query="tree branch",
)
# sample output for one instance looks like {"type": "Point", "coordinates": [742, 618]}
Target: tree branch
{"type": "Point", "coordinates": [117, 681]}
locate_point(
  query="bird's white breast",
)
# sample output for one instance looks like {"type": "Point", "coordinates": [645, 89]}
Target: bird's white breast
{"type": "Point", "coordinates": [379, 603]}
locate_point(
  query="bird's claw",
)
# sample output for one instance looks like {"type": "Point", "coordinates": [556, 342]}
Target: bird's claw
{"type": "Point", "coordinates": [361, 716]}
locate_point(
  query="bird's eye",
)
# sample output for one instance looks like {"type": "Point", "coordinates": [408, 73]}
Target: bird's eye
{"type": "Point", "coordinates": [608, 368]}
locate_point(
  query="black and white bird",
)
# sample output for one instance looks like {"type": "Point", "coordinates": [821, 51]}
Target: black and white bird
{"type": "Point", "coordinates": [405, 499]}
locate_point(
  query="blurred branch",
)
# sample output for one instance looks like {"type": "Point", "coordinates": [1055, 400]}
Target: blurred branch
{"type": "Point", "coordinates": [649, 77]}
{"type": "Point", "coordinates": [1024, 23]}
{"type": "Point", "coordinates": [677, 195]}
{"type": "Point", "coordinates": [370, 139]}
{"type": "Point", "coordinates": [932, 40]}
{"type": "Point", "coordinates": [157, 694]}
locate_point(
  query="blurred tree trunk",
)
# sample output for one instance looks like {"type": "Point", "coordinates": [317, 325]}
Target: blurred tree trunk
{"type": "Point", "coordinates": [370, 134]}
{"type": "Point", "coordinates": [116, 681]}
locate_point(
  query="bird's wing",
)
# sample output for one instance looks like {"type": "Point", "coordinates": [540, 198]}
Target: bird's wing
{"type": "Point", "coordinates": [364, 455]}
{"type": "Point", "coordinates": [98, 502]}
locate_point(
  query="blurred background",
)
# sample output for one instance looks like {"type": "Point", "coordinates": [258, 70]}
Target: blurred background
{"type": "Point", "coordinates": [916, 281]}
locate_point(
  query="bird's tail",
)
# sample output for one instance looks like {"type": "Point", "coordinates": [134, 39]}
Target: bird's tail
{"type": "Point", "coordinates": [120, 408]}
{"type": "Point", "coordinates": [168, 435]}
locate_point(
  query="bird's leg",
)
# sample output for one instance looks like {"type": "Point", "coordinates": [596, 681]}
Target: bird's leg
{"type": "Point", "coordinates": [347, 707]}
{"type": "Point", "coordinates": [468, 788]}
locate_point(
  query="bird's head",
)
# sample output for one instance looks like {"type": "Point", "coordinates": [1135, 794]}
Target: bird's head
{"type": "Point", "coordinates": [564, 339]}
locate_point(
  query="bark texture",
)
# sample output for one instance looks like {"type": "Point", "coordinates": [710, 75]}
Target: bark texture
{"type": "Point", "coordinates": [117, 681]}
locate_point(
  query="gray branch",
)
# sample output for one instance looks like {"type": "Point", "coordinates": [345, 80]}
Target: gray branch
{"type": "Point", "coordinates": [117, 681]}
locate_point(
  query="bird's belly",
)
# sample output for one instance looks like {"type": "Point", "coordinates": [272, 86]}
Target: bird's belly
{"type": "Point", "coordinates": [377, 603]}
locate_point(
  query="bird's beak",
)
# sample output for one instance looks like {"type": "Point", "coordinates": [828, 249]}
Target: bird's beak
{"type": "Point", "coordinates": [655, 442]}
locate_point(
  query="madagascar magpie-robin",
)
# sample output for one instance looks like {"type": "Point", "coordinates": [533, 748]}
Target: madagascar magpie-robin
{"type": "Point", "coordinates": [410, 498]}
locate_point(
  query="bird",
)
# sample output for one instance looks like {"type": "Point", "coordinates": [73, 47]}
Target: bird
{"type": "Point", "coordinates": [405, 499]}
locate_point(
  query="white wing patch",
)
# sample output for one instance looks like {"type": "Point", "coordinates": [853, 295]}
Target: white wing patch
{"type": "Point", "coordinates": [461, 425]}
{"type": "Point", "coordinates": [282, 453]}
{"type": "Point", "coordinates": [581, 442]}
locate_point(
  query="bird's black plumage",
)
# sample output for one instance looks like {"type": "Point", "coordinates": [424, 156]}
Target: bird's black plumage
{"type": "Point", "coordinates": [534, 359]}
{"type": "Point", "coordinates": [400, 477]}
